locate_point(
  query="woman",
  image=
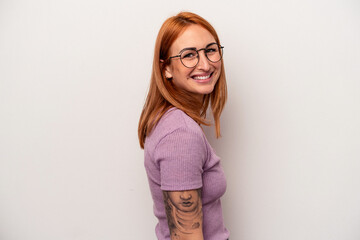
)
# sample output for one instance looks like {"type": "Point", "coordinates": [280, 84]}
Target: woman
{"type": "Point", "coordinates": [185, 176]}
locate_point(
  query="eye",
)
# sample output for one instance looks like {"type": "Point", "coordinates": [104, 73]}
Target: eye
{"type": "Point", "coordinates": [188, 54]}
{"type": "Point", "coordinates": [211, 50]}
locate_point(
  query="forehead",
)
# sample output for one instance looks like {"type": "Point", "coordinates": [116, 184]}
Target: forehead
{"type": "Point", "coordinates": [193, 36]}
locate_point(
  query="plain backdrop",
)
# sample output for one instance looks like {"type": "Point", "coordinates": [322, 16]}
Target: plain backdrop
{"type": "Point", "coordinates": [73, 80]}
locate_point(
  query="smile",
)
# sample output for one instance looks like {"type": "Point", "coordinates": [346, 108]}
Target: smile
{"type": "Point", "coordinates": [202, 79]}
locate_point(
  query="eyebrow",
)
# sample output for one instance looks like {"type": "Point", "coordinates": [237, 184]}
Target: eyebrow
{"type": "Point", "coordinates": [194, 48]}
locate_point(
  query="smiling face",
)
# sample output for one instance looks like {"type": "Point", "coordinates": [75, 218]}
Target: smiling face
{"type": "Point", "coordinates": [202, 78]}
{"type": "Point", "coordinates": [186, 201]}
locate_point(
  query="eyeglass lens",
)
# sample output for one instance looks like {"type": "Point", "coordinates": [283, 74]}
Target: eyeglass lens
{"type": "Point", "coordinates": [190, 57]}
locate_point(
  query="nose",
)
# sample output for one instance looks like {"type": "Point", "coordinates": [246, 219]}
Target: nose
{"type": "Point", "coordinates": [203, 63]}
{"type": "Point", "coordinates": [185, 195]}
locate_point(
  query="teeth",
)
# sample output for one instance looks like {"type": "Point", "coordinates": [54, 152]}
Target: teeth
{"type": "Point", "coordinates": [201, 77]}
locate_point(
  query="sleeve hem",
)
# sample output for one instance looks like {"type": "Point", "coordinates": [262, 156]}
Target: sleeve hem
{"type": "Point", "coordinates": [181, 187]}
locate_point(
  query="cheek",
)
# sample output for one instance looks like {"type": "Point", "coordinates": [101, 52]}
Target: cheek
{"type": "Point", "coordinates": [183, 74]}
{"type": "Point", "coordinates": [218, 71]}
{"type": "Point", "coordinates": [180, 72]}
{"type": "Point", "coordinates": [174, 197]}
{"type": "Point", "coordinates": [218, 66]}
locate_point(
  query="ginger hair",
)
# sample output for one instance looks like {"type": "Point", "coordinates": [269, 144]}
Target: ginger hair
{"type": "Point", "coordinates": [164, 95]}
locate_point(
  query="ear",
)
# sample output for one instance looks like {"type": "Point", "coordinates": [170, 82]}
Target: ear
{"type": "Point", "coordinates": [168, 74]}
{"type": "Point", "coordinates": [168, 71]}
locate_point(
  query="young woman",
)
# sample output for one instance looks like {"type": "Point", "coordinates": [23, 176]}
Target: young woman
{"type": "Point", "coordinates": [185, 175]}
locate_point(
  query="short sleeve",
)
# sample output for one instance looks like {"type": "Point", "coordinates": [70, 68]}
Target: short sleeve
{"type": "Point", "coordinates": [180, 156]}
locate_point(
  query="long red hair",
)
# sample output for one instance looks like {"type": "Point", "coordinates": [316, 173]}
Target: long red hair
{"type": "Point", "coordinates": [163, 94]}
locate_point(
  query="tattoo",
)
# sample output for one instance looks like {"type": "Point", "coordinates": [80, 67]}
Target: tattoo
{"type": "Point", "coordinates": [184, 212]}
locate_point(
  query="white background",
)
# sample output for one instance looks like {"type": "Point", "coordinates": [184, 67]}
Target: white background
{"type": "Point", "coordinates": [73, 80]}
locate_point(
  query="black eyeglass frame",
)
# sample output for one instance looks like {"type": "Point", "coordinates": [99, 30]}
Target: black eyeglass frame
{"type": "Point", "coordinates": [197, 52]}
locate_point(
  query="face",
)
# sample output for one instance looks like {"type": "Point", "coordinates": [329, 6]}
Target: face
{"type": "Point", "coordinates": [185, 201]}
{"type": "Point", "coordinates": [202, 78]}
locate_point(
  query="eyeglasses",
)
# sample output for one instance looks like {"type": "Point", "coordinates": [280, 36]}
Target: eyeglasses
{"type": "Point", "coordinates": [189, 57]}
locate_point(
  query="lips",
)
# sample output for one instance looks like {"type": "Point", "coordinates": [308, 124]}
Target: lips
{"type": "Point", "coordinates": [186, 204]}
{"type": "Point", "coordinates": [202, 77]}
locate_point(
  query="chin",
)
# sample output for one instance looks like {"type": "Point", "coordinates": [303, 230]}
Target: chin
{"type": "Point", "coordinates": [206, 90]}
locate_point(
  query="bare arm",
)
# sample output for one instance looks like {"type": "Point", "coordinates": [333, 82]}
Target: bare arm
{"type": "Point", "coordinates": [184, 214]}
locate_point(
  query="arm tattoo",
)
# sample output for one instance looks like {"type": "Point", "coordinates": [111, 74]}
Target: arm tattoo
{"type": "Point", "coordinates": [184, 212]}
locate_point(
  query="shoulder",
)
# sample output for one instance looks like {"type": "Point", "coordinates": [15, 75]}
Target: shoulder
{"type": "Point", "coordinates": [174, 122]}
{"type": "Point", "coordinates": [178, 119]}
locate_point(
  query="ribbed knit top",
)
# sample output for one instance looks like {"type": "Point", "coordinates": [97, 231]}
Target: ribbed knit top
{"type": "Point", "coordinates": [178, 157]}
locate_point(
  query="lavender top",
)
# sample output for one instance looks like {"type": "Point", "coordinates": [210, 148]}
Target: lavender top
{"type": "Point", "coordinates": [178, 157]}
